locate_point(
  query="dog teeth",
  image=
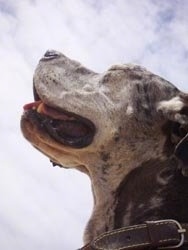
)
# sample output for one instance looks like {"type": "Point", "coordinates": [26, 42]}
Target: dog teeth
{"type": "Point", "coordinates": [40, 108]}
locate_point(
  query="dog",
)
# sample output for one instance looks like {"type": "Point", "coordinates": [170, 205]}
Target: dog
{"type": "Point", "coordinates": [126, 129]}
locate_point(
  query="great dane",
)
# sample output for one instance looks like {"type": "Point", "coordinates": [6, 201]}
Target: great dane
{"type": "Point", "coordinates": [127, 130]}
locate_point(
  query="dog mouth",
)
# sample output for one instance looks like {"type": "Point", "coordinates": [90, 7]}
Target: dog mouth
{"type": "Point", "coordinates": [64, 127]}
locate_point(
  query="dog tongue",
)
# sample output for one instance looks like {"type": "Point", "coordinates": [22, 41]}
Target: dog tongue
{"type": "Point", "coordinates": [42, 108]}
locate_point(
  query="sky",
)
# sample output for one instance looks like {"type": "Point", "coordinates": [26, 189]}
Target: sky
{"type": "Point", "coordinates": [41, 207]}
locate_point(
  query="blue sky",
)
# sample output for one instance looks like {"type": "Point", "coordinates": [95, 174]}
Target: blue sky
{"type": "Point", "coordinates": [44, 207]}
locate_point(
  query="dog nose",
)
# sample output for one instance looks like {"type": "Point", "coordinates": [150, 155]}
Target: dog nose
{"type": "Point", "coordinates": [50, 54]}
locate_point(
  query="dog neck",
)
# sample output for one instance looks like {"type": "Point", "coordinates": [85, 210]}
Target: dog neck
{"type": "Point", "coordinates": [148, 192]}
{"type": "Point", "coordinates": [106, 178]}
{"type": "Point", "coordinates": [105, 182]}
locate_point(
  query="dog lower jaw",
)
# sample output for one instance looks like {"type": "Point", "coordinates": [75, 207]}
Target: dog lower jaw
{"type": "Point", "coordinates": [40, 140]}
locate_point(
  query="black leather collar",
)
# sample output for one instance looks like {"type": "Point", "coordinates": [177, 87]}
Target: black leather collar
{"type": "Point", "coordinates": [162, 234]}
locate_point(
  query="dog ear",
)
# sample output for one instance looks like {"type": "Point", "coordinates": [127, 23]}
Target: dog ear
{"type": "Point", "coordinates": [176, 110]}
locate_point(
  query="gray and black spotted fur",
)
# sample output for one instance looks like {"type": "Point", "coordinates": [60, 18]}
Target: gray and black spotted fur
{"type": "Point", "coordinates": [138, 158]}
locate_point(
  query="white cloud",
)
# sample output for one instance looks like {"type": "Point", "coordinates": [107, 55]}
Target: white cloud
{"type": "Point", "coordinates": [42, 207]}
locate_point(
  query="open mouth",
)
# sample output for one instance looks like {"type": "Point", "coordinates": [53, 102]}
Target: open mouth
{"type": "Point", "coordinates": [67, 128]}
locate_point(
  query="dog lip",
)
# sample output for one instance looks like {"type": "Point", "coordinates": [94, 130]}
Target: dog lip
{"type": "Point", "coordinates": [67, 128]}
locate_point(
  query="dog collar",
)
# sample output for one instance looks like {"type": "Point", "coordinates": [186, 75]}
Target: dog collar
{"type": "Point", "coordinates": [160, 234]}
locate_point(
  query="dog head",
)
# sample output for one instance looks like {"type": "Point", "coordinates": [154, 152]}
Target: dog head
{"type": "Point", "coordinates": [83, 119]}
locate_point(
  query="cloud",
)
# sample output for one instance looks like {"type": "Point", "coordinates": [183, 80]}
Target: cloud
{"type": "Point", "coordinates": [42, 207]}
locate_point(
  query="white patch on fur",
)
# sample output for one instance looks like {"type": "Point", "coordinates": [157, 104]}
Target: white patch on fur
{"type": "Point", "coordinates": [155, 202]}
{"type": "Point", "coordinates": [171, 110]}
{"type": "Point", "coordinates": [128, 213]}
{"type": "Point", "coordinates": [129, 110]}
{"type": "Point", "coordinates": [140, 206]}
{"type": "Point", "coordinates": [163, 181]}
{"type": "Point", "coordinates": [173, 105]}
